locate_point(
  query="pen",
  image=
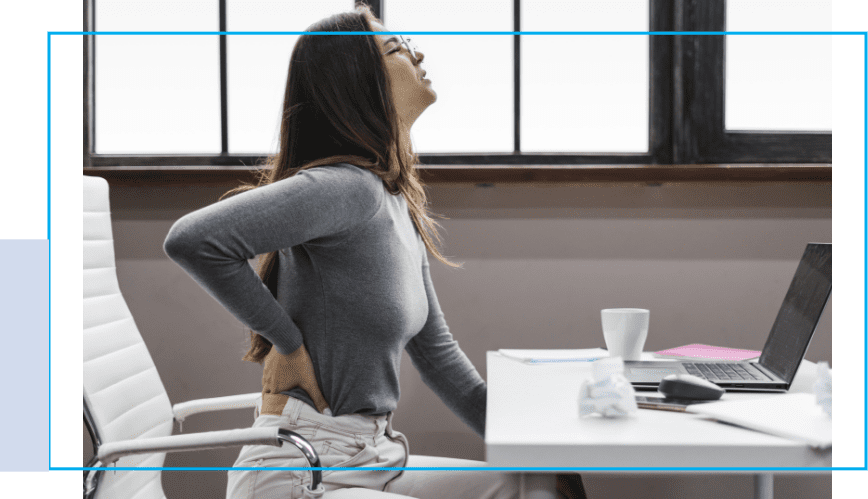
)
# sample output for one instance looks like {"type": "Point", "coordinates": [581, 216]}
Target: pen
{"type": "Point", "coordinates": [656, 407]}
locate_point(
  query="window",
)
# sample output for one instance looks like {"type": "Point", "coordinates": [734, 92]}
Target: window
{"type": "Point", "coordinates": [700, 96]}
{"type": "Point", "coordinates": [515, 108]}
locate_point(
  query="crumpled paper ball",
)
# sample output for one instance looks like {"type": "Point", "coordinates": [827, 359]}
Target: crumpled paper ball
{"type": "Point", "coordinates": [823, 387]}
{"type": "Point", "coordinates": [609, 394]}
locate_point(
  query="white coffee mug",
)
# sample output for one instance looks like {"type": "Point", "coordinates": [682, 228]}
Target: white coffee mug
{"type": "Point", "coordinates": [625, 331]}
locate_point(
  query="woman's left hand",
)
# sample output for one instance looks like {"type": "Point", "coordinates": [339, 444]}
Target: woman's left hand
{"type": "Point", "coordinates": [284, 372]}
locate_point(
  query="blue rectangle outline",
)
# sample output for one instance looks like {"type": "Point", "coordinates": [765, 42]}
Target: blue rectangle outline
{"type": "Point", "coordinates": [457, 32]}
{"type": "Point", "coordinates": [865, 238]}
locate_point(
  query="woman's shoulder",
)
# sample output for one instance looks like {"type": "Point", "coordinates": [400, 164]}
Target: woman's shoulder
{"type": "Point", "coordinates": [348, 183]}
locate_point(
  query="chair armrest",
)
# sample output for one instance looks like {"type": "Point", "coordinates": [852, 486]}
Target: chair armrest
{"type": "Point", "coordinates": [112, 451]}
{"type": "Point", "coordinates": [190, 407]}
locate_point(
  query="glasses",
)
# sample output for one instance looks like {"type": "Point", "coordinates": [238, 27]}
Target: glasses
{"type": "Point", "coordinates": [407, 42]}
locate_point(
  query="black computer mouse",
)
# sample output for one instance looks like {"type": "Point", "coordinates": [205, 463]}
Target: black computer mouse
{"type": "Point", "coordinates": [687, 386]}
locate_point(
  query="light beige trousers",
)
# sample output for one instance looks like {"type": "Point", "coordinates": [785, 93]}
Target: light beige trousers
{"type": "Point", "coordinates": [356, 441]}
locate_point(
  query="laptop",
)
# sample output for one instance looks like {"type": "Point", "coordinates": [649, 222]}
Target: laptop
{"type": "Point", "coordinates": [785, 346]}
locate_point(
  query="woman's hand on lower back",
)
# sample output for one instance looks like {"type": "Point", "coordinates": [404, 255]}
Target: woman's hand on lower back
{"type": "Point", "coordinates": [284, 372]}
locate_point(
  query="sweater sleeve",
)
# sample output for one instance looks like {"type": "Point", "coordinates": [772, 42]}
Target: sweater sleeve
{"type": "Point", "coordinates": [214, 244]}
{"type": "Point", "coordinates": [444, 367]}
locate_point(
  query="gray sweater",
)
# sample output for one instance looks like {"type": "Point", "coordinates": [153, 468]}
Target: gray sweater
{"type": "Point", "coordinates": [353, 286]}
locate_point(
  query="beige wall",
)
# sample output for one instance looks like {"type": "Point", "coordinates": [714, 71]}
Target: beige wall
{"type": "Point", "coordinates": [712, 262]}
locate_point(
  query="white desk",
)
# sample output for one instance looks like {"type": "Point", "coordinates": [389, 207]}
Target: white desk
{"type": "Point", "coordinates": [533, 421]}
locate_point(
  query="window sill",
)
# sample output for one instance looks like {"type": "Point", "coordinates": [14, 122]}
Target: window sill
{"type": "Point", "coordinates": [505, 174]}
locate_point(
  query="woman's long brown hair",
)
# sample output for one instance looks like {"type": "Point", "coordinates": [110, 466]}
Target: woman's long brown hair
{"type": "Point", "coordinates": [338, 108]}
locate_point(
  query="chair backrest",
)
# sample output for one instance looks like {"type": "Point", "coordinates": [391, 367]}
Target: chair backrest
{"type": "Point", "coordinates": [122, 388]}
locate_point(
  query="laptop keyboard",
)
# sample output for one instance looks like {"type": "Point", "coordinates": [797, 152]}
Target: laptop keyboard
{"type": "Point", "coordinates": [723, 371]}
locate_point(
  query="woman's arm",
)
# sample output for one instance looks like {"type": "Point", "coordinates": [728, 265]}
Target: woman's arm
{"type": "Point", "coordinates": [444, 367]}
{"type": "Point", "coordinates": [214, 244]}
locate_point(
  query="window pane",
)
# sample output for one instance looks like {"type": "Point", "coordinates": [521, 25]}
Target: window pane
{"type": "Point", "coordinates": [778, 82]}
{"type": "Point", "coordinates": [257, 65]}
{"type": "Point", "coordinates": [472, 74]}
{"type": "Point", "coordinates": [157, 94]}
{"type": "Point", "coordinates": [584, 93]}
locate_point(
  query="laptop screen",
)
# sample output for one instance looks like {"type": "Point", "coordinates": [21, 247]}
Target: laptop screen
{"type": "Point", "coordinates": [803, 305]}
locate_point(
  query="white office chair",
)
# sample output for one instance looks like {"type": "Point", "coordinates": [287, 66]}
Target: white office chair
{"type": "Point", "coordinates": [126, 409]}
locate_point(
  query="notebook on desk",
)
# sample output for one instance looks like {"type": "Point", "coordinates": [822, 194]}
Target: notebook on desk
{"type": "Point", "coordinates": [785, 346]}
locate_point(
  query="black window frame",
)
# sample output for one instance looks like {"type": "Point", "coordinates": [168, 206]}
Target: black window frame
{"type": "Point", "coordinates": [699, 92]}
{"type": "Point", "coordinates": [686, 85]}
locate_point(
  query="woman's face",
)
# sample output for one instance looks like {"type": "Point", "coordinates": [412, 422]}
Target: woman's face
{"type": "Point", "coordinates": [412, 93]}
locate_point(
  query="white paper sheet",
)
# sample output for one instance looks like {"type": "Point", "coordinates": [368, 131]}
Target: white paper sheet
{"type": "Point", "coordinates": [796, 416]}
{"type": "Point", "coordinates": [539, 356]}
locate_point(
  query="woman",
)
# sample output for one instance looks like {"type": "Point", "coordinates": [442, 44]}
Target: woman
{"type": "Point", "coordinates": [344, 286]}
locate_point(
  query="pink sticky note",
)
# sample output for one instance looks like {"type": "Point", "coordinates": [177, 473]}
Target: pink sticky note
{"type": "Point", "coordinates": [710, 352]}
